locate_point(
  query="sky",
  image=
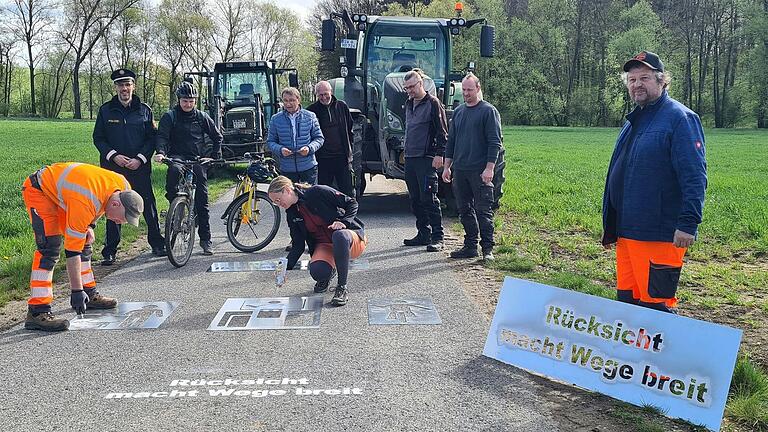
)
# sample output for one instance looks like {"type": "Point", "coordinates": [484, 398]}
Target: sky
{"type": "Point", "coordinates": [302, 7]}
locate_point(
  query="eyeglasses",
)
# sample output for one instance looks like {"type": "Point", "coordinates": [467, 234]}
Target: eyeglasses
{"type": "Point", "coordinates": [408, 87]}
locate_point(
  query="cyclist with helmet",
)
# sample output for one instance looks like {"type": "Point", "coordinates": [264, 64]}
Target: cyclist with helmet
{"type": "Point", "coordinates": [181, 134]}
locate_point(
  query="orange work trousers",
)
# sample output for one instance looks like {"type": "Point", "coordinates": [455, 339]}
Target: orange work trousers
{"type": "Point", "coordinates": [647, 273]}
{"type": "Point", "coordinates": [48, 224]}
{"type": "Point", "coordinates": [324, 251]}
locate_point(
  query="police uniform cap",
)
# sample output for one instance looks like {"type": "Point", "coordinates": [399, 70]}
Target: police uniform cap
{"type": "Point", "coordinates": [122, 74]}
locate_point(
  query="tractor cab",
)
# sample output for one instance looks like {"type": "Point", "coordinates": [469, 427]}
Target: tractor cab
{"type": "Point", "coordinates": [378, 52]}
{"type": "Point", "coordinates": [241, 98]}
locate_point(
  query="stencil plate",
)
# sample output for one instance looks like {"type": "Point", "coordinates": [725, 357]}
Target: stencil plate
{"type": "Point", "coordinates": [249, 266]}
{"type": "Point", "coordinates": [402, 311]}
{"type": "Point", "coordinates": [269, 313]}
{"type": "Point", "coordinates": [127, 316]}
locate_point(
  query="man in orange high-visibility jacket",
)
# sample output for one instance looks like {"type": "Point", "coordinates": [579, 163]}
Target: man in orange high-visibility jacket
{"type": "Point", "coordinates": [63, 201]}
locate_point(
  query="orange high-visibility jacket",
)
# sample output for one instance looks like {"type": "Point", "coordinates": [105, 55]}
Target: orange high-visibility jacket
{"type": "Point", "coordinates": [82, 191]}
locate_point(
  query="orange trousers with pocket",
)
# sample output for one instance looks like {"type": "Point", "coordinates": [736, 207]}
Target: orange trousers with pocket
{"type": "Point", "coordinates": [48, 224]}
{"type": "Point", "coordinates": [647, 273]}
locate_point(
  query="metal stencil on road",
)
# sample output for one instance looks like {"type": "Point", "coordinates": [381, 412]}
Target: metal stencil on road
{"type": "Point", "coordinates": [127, 316]}
{"type": "Point", "coordinates": [249, 266]}
{"type": "Point", "coordinates": [269, 313]}
{"type": "Point", "coordinates": [402, 311]}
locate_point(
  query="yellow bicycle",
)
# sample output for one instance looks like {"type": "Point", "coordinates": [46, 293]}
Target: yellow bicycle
{"type": "Point", "coordinates": [252, 219]}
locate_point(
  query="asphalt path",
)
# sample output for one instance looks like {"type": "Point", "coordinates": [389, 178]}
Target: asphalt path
{"type": "Point", "coordinates": [345, 375]}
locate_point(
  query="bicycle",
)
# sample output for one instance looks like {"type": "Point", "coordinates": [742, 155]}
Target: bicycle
{"type": "Point", "coordinates": [181, 218]}
{"type": "Point", "coordinates": [252, 219]}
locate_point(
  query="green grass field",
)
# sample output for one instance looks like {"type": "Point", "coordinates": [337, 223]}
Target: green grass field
{"type": "Point", "coordinates": [27, 146]}
{"type": "Point", "coordinates": [550, 222]}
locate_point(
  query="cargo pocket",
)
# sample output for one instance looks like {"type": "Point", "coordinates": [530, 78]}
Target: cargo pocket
{"type": "Point", "coordinates": [430, 184]}
{"type": "Point", "coordinates": [38, 228]}
{"type": "Point", "coordinates": [662, 280]}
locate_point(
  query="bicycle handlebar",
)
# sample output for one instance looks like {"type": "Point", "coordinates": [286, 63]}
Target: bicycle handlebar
{"type": "Point", "coordinates": [170, 161]}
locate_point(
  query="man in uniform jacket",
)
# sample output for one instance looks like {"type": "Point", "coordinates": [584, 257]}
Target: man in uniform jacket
{"type": "Point", "coordinates": [125, 137]}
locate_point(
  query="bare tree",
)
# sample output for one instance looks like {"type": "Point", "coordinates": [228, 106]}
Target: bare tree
{"type": "Point", "coordinates": [176, 20]}
{"type": "Point", "coordinates": [55, 80]}
{"type": "Point", "coordinates": [33, 19]}
{"type": "Point", "coordinates": [230, 19]}
{"type": "Point", "coordinates": [148, 28]}
{"type": "Point", "coordinates": [86, 21]}
{"type": "Point", "coordinates": [6, 73]}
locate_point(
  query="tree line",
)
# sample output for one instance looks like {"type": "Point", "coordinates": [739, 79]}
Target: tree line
{"type": "Point", "coordinates": [69, 48]}
{"type": "Point", "coordinates": [558, 62]}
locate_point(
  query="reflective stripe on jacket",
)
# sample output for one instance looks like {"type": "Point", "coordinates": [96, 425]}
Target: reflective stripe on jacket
{"type": "Point", "coordinates": [81, 191]}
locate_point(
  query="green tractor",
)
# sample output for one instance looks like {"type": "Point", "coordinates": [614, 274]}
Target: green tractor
{"type": "Point", "coordinates": [378, 51]}
{"type": "Point", "coordinates": [241, 97]}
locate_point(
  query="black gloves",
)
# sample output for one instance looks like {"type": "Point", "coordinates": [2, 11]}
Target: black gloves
{"type": "Point", "coordinates": [77, 300]}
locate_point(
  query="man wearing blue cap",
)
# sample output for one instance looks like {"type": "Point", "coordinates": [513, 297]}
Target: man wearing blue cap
{"type": "Point", "coordinates": [125, 137]}
{"type": "Point", "coordinates": [654, 190]}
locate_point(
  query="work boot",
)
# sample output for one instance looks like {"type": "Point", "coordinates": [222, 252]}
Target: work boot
{"type": "Point", "coordinates": [465, 252]}
{"type": "Point", "coordinates": [322, 285]}
{"type": "Point", "coordinates": [419, 240]}
{"type": "Point", "coordinates": [340, 296]}
{"type": "Point", "coordinates": [45, 321]}
{"type": "Point", "coordinates": [435, 246]}
{"type": "Point", "coordinates": [206, 245]}
{"type": "Point", "coordinates": [98, 301]}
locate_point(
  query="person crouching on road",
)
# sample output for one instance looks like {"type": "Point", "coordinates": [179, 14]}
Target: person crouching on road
{"type": "Point", "coordinates": [326, 221]}
{"type": "Point", "coordinates": [63, 202]}
{"type": "Point", "coordinates": [182, 135]}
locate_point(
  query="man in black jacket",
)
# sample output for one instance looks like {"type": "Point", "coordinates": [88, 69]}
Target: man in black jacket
{"type": "Point", "coordinates": [125, 137]}
{"type": "Point", "coordinates": [334, 158]}
{"type": "Point", "coordinates": [182, 135]}
{"type": "Point", "coordinates": [426, 132]}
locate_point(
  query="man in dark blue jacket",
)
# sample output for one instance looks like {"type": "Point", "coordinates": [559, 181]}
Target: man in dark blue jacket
{"type": "Point", "coordinates": [125, 137]}
{"type": "Point", "coordinates": [654, 191]}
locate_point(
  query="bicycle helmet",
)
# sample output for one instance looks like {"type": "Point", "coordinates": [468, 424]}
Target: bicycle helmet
{"type": "Point", "coordinates": [259, 173]}
{"type": "Point", "coordinates": [186, 90]}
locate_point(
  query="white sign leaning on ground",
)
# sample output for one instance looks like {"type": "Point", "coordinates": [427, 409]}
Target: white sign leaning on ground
{"type": "Point", "coordinates": [642, 356]}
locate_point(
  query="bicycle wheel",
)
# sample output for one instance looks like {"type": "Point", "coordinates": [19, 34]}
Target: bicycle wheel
{"type": "Point", "coordinates": [179, 232]}
{"type": "Point", "coordinates": [252, 227]}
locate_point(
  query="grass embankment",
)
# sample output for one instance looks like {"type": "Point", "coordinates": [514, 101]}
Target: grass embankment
{"type": "Point", "coordinates": [550, 223]}
{"type": "Point", "coordinates": [27, 146]}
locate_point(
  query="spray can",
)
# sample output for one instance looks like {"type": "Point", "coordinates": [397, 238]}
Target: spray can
{"type": "Point", "coordinates": [280, 270]}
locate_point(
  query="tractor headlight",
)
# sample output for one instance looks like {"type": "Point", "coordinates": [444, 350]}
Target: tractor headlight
{"type": "Point", "coordinates": [393, 121]}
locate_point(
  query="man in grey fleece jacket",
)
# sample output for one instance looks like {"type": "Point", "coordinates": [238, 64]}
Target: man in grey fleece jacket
{"type": "Point", "coordinates": [474, 142]}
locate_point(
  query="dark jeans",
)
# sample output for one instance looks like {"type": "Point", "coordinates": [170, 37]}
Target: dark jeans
{"type": "Point", "coordinates": [421, 180]}
{"type": "Point", "coordinates": [201, 196]}
{"type": "Point", "coordinates": [141, 181]}
{"type": "Point", "coordinates": [308, 176]}
{"type": "Point", "coordinates": [474, 201]}
{"type": "Point", "coordinates": [338, 169]}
